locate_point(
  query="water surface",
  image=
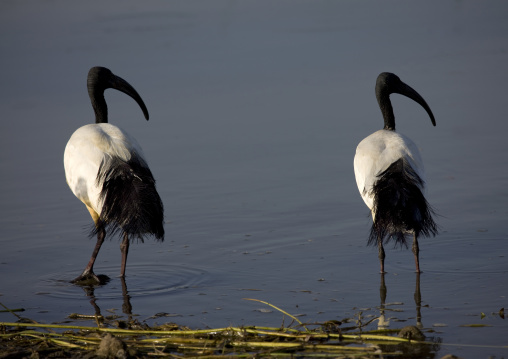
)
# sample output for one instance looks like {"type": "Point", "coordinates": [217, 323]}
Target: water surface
{"type": "Point", "coordinates": [256, 109]}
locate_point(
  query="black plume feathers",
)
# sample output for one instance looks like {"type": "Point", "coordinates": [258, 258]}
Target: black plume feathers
{"type": "Point", "coordinates": [130, 202]}
{"type": "Point", "coordinates": [400, 207]}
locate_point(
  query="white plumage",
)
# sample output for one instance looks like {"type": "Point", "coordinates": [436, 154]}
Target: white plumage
{"type": "Point", "coordinates": [390, 176]}
{"type": "Point", "coordinates": [88, 147]}
{"type": "Point", "coordinates": [105, 168]}
{"type": "Point", "coordinates": [376, 153]}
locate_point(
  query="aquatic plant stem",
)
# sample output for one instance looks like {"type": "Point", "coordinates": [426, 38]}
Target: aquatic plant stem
{"type": "Point", "coordinates": [280, 310]}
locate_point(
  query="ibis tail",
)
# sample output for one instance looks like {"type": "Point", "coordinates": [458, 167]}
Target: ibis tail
{"type": "Point", "coordinates": [400, 206]}
{"type": "Point", "coordinates": [130, 202]}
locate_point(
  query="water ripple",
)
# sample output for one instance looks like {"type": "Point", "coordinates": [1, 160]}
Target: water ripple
{"type": "Point", "coordinates": [141, 280]}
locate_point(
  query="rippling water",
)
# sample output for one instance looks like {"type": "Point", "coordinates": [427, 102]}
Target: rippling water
{"type": "Point", "coordinates": [255, 112]}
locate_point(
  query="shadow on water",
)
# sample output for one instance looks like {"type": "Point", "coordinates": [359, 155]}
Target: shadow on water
{"type": "Point", "coordinates": [413, 332]}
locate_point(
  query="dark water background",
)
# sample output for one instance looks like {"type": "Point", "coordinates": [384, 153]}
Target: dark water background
{"type": "Point", "coordinates": [256, 110]}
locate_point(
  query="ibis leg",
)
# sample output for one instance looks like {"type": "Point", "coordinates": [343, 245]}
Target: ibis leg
{"type": "Point", "coordinates": [418, 302]}
{"type": "Point", "coordinates": [88, 276]}
{"type": "Point", "coordinates": [416, 252]}
{"type": "Point", "coordinates": [88, 273]}
{"type": "Point", "coordinates": [124, 248]}
{"type": "Point", "coordinates": [381, 254]}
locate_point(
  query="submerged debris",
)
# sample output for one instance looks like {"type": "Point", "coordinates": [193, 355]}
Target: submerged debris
{"type": "Point", "coordinates": [412, 333]}
{"type": "Point", "coordinates": [112, 347]}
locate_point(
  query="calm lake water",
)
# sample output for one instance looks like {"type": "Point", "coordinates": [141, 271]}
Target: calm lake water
{"type": "Point", "coordinates": [256, 109]}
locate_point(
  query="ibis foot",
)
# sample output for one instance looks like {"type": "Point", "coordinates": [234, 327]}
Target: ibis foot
{"type": "Point", "coordinates": [91, 279]}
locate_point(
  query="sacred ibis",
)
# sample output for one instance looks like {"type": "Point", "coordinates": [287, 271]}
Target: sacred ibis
{"type": "Point", "coordinates": [107, 170]}
{"type": "Point", "coordinates": [390, 176]}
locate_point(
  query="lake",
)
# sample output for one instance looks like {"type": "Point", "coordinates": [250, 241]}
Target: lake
{"type": "Point", "coordinates": [256, 109]}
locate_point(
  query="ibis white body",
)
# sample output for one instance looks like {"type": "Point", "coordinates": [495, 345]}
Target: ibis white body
{"type": "Point", "coordinates": [375, 153]}
{"type": "Point", "coordinates": [88, 147]}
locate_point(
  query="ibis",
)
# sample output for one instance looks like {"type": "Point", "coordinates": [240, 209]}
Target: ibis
{"type": "Point", "coordinates": [106, 169]}
{"type": "Point", "coordinates": [390, 177]}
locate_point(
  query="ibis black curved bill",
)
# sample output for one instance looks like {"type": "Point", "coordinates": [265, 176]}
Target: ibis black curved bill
{"type": "Point", "coordinates": [388, 83]}
{"type": "Point", "coordinates": [100, 79]}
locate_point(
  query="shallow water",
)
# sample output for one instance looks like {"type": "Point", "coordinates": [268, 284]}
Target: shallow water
{"type": "Point", "coordinates": [256, 109]}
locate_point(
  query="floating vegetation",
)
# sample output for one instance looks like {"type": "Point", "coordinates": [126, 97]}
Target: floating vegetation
{"type": "Point", "coordinates": [475, 325]}
{"type": "Point", "coordinates": [182, 342]}
{"type": "Point", "coordinates": [111, 337]}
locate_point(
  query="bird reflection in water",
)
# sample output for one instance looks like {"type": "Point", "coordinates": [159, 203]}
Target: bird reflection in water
{"type": "Point", "coordinates": [428, 347]}
{"type": "Point", "coordinates": [384, 323]}
{"type": "Point", "coordinates": [126, 304]}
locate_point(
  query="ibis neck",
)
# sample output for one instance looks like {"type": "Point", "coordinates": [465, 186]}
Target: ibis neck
{"type": "Point", "coordinates": [387, 110]}
{"type": "Point", "coordinates": [99, 107]}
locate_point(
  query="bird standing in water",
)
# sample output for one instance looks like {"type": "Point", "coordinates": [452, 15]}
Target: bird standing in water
{"type": "Point", "coordinates": [107, 170]}
{"type": "Point", "coordinates": [390, 176]}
